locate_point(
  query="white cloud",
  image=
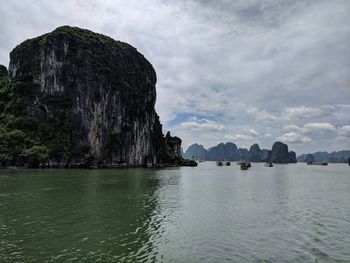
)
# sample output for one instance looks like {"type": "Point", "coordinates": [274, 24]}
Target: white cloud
{"type": "Point", "coordinates": [343, 139]}
{"type": "Point", "coordinates": [311, 128]}
{"type": "Point", "coordinates": [203, 125]}
{"type": "Point", "coordinates": [245, 138]}
{"type": "Point", "coordinates": [238, 137]}
{"type": "Point", "coordinates": [242, 140]}
{"type": "Point", "coordinates": [308, 112]}
{"type": "Point", "coordinates": [319, 127]}
{"type": "Point", "coordinates": [292, 127]}
{"type": "Point", "coordinates": [293, 137]}
{"type": "Point", "coordinates": [345, 131]}
{"type": "Point", "coordinates": [262, 115]}
{"type": "Point", "coordinates": [252, 132]}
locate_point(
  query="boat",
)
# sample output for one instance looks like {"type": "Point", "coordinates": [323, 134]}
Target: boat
{"type": "Point", "coordinates": [245, 162]}
{"type": "Point", "coordinates": [219, 163]}
{"type": "Point", "coordinates": [227, 163]}
{"type": "Point", "coordinates": [317, 163]}
{"type": "Point", "coordinates": [268, 164]}
{"type": "Point", "coordinates": [245, 165]}
{"type": "Point", "coordinates": [200, 161]}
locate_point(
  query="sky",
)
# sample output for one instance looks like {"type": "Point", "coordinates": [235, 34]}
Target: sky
{"type": "Point", "coordinates": [244, 71]}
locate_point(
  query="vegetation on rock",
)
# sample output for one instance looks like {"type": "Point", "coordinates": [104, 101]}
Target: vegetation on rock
{"type": "Point", "coordinates": [27, 139]}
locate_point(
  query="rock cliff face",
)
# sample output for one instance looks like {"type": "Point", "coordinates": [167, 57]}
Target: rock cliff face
{"type": "Point", "coordinates": [222, 151]}
{"type": "Point", "coordinates": [103, 89]}
{"type": "Point", "coordinates": [292, 157]}
{"type": "Point", "coordinates": [265, 155]}
{"type": "Point", "coordinates": [197, 152]}
{"type": "Point", "coordinates": [3, 71]}
{"type": "Point", "coordinates": [174, 143]}
{"type": "Point", "coordinates": [255, 153]}
{"type": "Point", "coordinates": [309, 158]}
{"type": "Point", "coordinates": [280, 154]}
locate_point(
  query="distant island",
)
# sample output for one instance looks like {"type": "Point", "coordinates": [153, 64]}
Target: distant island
{"type": "Point", "coordinates": [279, 153]}
{"type": "Point", "coordinates": [332, 157]}
{"type": "Point", "coordinates": [75, 98]}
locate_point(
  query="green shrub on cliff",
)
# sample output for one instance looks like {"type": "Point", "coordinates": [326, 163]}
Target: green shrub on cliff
{"type": "Point", "coordinates": [25, 139]}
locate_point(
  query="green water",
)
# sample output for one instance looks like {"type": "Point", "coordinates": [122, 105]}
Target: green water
{"type": "Point", "coordinates": [288, 213]}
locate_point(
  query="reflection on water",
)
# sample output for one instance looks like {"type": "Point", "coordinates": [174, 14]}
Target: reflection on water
{"type": "Point", "coordinates": [288, 213]}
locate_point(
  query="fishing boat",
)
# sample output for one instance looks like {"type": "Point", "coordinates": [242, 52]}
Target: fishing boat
{"type": "Point", "coordinates": [245, 165]}
{"type": "Point", "coordinates": [219, 163]}
{"type": "Point", "coordinates": [268, 164]}
{"type": "Point", "coordinates": [317, 163]}
{"type": "Point", "coordinates": [227, 163]}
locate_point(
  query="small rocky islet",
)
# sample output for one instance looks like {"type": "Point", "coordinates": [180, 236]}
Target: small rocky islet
{"type": "Point", "coordinates": [75, 98]}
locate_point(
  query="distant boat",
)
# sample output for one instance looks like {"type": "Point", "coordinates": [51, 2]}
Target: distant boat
{"type": "Point", "coordinates": [245, 165]}
{"type": "Point", "coordinates": [227, 163]}
{"type": "Point", "coordinates": [219, 163]}
{"type": "Point", "coordinates": [200, 161]}
{"type": "Point", "coordinates": [317, 163]}
{"type": "Point", "coordinates": [268, 164]}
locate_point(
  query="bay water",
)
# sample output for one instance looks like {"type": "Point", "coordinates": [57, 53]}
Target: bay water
{"type": "Point", "coordinates": [286, 213]}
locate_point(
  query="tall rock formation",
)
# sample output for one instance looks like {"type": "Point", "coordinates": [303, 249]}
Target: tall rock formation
{"type": "Point", "coordinates": [197, 152]}
{"type": "Point", "coordinates": [292, 157]}
{"type": "Point", "coordinates": [243, 154]}
{"type": "Point", "coordinates": [280, 154]}
{"type": "Point", "coordinates": [309, 158]}
{"type": "Point", "coordinates": [101, 91]}
{"type": "Point", "coordinates": [265, 155]}
{"type": "Point", "coordinates": [174, 143]}
{"type": "Point", "coordinates": [3, 71]}
{"type": "Point", "coordinates": [227, 151]}
{"type": "Point", "coordinates": [255, 153]}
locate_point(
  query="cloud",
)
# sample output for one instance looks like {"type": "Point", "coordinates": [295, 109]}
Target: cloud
{"type": "Point", "coordinates": [202, 125]}
{"type": "Point", "coordinates": [242, 140]}
{"type": "Point", "coordinates": [343, 138]}
{"type": "Point", "coordinates": [307, 112]}
{"type": "Point", "coordinates": [245, 138]}
{"type": "Point", "coordinates": [319, 127]}
{"type": "Point", "coordinates": [252, 132]}
{"type": "Point", "coordinates": [292, 127]}
{"type": "Point", "coordinates": [308, 128]}
{"type": "Point", "coordinates": [345, 131]}
{"type": "Point", "coordinates": [300, 135]}
{"type": "Point", "coordinates": [262, 115]}
{"type": "Point", "coordinates": [293, 137]}
{"type": "Point", "coordinates": [238, 137]}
